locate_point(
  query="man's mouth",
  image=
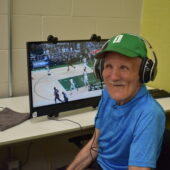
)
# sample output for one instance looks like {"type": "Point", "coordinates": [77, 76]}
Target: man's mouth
{"type": "Point", "coordinates": [117, 83]}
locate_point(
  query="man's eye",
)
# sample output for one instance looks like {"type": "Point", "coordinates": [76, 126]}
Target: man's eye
{"type": "Point", "coordinates": [124, 68]}
{"type": "Point", "coordinates": [108, 66]}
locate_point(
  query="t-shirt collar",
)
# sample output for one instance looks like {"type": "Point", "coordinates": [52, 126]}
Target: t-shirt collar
{"type": "Point", "coordinates": [141, 92]}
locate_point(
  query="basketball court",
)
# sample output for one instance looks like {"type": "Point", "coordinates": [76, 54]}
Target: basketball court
{"type": "Point", "coordinates": [43, 84]}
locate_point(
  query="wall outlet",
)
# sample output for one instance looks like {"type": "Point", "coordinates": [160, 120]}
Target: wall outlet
{"type": "Point", "coordinates": [13, 165]}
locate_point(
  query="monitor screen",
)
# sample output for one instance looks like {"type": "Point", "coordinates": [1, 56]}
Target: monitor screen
{"type": "Point", "coordinates": [61, 77]}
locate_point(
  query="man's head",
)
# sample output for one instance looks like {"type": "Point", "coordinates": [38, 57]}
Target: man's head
{"type": "Point", "coordinates": [122, 56]}
{"type": "Point", "coordinates": [131, 46]}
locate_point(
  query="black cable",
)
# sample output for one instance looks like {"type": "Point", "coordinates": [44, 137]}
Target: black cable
{"type": "Point", "coordinates": [81, 129]}
{"type": "Point", "coordinates": [70, 121]}
{"type": "Point", "coordinates": [95, 149]}
{"type": "Point", "coordinates": [27, 154]}
{"type": "Point", "coordinates": [10, 153]}
{"type": "Point", "coordinates": [92, 148]}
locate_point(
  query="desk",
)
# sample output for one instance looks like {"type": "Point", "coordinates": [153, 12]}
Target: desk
{"type": "Point", "coordinates": [42, 127]}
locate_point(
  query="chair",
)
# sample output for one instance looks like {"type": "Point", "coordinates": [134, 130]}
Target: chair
{"type": "Point", "coordinates": [163, 162]}
{"type": "Point", "coordinates": [79, 141]}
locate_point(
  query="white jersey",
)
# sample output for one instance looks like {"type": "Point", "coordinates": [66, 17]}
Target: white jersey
{"type": "Point", "coordinates": [85, 78]}
{"type": "Point", "coordinates": [72, 84]}
{"type": "Point", "coordinates": [85, 63]}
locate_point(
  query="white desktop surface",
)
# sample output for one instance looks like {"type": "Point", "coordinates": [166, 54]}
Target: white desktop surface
{"type": "Point", "coordinates": [35, 128]}
{"type": "Point", "coordinates": [41, 126]}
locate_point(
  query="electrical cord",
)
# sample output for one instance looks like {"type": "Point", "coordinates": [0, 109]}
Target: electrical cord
{"type": "Point", "coordinates": [27, 154]}
{"type": "Point", "coordinates": [70, 121]}
{"type": "Point", "coordinates": [92, 148]}
{"type": "Point", "coordinates": [81, 129]}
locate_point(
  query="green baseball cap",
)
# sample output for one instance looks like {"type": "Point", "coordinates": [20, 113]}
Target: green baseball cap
{"type": "Point", "coordinates": [126, 44]}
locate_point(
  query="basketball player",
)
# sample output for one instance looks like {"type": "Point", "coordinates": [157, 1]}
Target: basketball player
{"type": "Point", "coordinates": [56, 95]}
{"type": "Point", "coordinates": [85, 78]}
{"type": "Point", "coordinates": [65, 97]}
{"type": "Point", "coordinates": [85, 62]}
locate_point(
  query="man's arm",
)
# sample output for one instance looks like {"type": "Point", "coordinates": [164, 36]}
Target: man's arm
{"type": "Point", "coordinates": [138, 168]}
{"type": "Point", "coordinates": [87, 154]}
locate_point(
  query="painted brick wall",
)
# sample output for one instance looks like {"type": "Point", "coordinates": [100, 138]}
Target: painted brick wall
{"type": "Point", "coordinates": [3, 48]}
{"type": "Point", "coordinates": [34, 20]}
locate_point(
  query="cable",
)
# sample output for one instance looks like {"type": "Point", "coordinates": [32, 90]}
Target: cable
{"type": "Point", "coordinates": [91, 148]}
{"type": "Point", "coordinates": [81, 129]}
{"type": "Point", "coordinates": [70, 121]}
{"type": "Point", "coordinates": [27, 154]}
{"type": "Point", "coordinates": [94, 148]}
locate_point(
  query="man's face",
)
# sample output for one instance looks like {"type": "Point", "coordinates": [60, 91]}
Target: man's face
{"type": "Point", "coordinates": [121, 76]}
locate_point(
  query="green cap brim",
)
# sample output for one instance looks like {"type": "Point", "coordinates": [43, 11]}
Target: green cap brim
{"type": "Point", "coordinates": [120, 50]}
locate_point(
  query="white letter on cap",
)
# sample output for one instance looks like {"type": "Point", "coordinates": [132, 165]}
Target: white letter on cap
{"type": "Point", "coordinates": [118, 38]}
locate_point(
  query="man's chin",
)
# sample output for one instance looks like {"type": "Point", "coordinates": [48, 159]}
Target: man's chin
{"type": "Point", "coordinates": [118, 97]}
{"type": "Point", "coordinates": [118, 90]}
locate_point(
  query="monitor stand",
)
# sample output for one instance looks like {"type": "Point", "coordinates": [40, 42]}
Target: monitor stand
{"type": "Point", "coordinates": [71, 112]}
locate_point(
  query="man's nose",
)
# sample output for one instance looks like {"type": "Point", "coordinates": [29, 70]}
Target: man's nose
{"type": "Point", "coordinates": [115, 74]}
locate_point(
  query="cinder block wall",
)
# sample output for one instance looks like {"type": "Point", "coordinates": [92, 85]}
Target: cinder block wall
{"type": "Point", "coordinates": [3, 48]}
{"type": "Point", "coordinates": [34, 20]}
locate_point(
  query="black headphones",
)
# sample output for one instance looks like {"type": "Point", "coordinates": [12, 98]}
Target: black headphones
{"type": "Point", "coordinates": [148, 68]}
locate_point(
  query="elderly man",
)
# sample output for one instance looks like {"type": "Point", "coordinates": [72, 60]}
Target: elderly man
{"type": "Point", "coordinates": [129, 124]}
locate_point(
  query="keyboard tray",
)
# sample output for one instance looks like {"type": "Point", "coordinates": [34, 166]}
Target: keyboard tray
{"type": "Point", "coordinates": [158, 93]}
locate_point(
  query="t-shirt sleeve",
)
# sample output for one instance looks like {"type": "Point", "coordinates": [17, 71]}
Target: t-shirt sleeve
{"type": "Point", "coordinates": [147, 140]}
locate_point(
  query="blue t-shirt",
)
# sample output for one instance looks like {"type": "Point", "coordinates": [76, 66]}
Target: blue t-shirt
{"type": "Point", "coordinates": [130, 134]}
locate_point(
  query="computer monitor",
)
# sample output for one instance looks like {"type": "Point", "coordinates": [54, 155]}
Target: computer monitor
{"type": "Point", "coordinates": [60, 76]}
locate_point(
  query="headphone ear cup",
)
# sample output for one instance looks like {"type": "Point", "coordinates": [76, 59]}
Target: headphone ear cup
{"type": "Point", "coordinates": [98, 69]}
{"type": "Point", "coordinates": [154, 71]}
{"type": "Point", "coordinates": [146, 70]}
